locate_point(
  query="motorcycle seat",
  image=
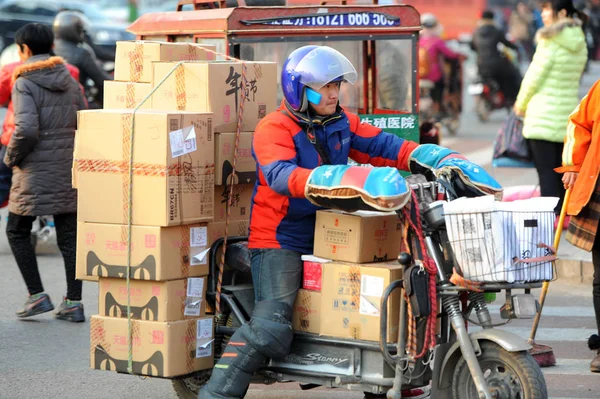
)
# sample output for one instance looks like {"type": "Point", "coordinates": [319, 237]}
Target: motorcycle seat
{"type": "Point", "coordinates": [238, 258]}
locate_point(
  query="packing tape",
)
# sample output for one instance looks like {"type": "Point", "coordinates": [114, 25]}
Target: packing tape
{"type": "Point", "coordinates": [305, 308]}
{"type": "Point", "coordinates": [191, 342]}
{"type": "Point", "coordinates": [355, 280]}
{"type": "Point", "coordinates": [180, 93]}
{"type": "Point", "coordinates": [136, 62]}
{"type": "Point", "coordinates": [130, 95]}
{"type": "Point", "coordinates": [122, 167]}
{"type": "Point", "coordinates": [184, 251]}
{"type": "Point", "coordinates": [98, 337]}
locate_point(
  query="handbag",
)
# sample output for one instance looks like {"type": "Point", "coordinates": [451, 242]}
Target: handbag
{"type": "Point", "coordinates": [510, 147]}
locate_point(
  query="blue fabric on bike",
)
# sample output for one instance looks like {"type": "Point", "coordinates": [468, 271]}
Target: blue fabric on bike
{"type": "Point", "coordinates": [426, 158]}
{"type": "Point", "coordinates": [352, 188]}
{"type": "Point", "coordinates": [468, 179]}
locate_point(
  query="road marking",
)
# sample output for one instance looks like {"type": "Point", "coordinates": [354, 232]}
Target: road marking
{"type": "Point", "coordinates": [550, 334]}
{"type": "Point", "coordinates": [557, 311]}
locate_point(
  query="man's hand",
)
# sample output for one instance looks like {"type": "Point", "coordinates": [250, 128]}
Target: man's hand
{"type": "Point", "coordinates": [518, 112]}
{"type": "Point", "coordinates": [569, 178]}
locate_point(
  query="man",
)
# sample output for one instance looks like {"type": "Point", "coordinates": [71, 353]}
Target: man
{"type": "Point", "coordinates": [308, 130]}
{"type": "Point", "coordinates": [69, 27]}
{"type": "Point", "coordinates": [490, 62]}
{"type": "Point", "coordinates": [46, 99]}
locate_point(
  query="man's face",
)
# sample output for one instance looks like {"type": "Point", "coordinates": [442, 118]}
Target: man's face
{"type": "Point", "coordinates": [330, 94]}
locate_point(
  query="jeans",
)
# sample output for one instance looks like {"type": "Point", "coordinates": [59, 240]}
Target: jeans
{"type": "Point", "coordinates": [276, 274]}
{"type": "Point", "coordinates": [547, 155]}
{"type": "Point", "coordinates": [18, 231]}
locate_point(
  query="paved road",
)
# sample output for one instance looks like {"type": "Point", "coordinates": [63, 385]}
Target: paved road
{"type": "Point", "coordinates": [50, 359]}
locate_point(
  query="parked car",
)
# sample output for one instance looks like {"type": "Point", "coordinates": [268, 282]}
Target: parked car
{"type": "Point", "coordinates": [16, 13]}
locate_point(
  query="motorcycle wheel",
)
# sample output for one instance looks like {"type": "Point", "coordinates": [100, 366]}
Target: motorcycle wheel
{"type": "Point", "coordinates": [509, 375]}
{"type": "Point", "coordinates": [188, 387]}
{"type": "Point", "coordinates": [483, 109]}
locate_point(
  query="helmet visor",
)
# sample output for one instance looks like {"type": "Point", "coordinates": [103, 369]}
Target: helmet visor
{"type": "Point", "coordinates": [324, 65]}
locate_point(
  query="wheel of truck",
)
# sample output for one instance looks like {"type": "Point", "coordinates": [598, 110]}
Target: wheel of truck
{"type": "Point", "coordinates": [509, 375]}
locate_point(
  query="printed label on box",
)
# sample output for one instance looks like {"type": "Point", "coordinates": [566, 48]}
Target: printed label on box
{"type": "Point", "coordinates": [367, 308]}
{"type": "Point", "coordinates": [372, 286]}
{"type": "Point", "coordinates": [199, 259]}
{"type": "Point", "coordinates": [204, 328]}
{"type": "Point", "coordinates": [180, 145]}
{"type": "Point", "coordinates": [204, 350]}
{"type": "Point", "coordinates": [198, 237]}
{"type": "Point", "coordinates": [192, 306]}
{"type": "Point", "coordinates": [195, 287]}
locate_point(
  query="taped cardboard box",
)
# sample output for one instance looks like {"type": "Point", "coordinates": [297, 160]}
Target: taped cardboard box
{"type": "Point", "coordinates": [351, 300]}
{"type": "Point", "coordinates": [133, 59]}
{"type": "Point", "coordinates": [152, 300]}
{"type": "Point", "coordinates": [245, 166]}
{"type": "Point", "coordinates": [216, 230]}
{"type": "Point", "coordinates": [157, 253]}
{"type": "Point", "coordinates": [216, 87]}
{"type": "Point", "coordinates": [358, 237]}
{"type": "Point", "coordinates": [307, 312]}
{"type": "Point", "coordinates": [240, 202]}
{"type": "Point", "coordinates": [122, 95]}
{"type": "Point", "coordinates": [173, 167]}
{"type": "Point", "coordinates": [160, 349]}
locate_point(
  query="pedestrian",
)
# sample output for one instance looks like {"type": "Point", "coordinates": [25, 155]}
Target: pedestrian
{"type": "Point", "coordinates": [550, 91]}
{"type": "Point", "coordinates": [493, 64]}
{"type": "Point", "coordinates": [520, 30]}
{"type": "Point", "coordinates": [309, 130]}
{"type": "Point", "coordinates": [433, 51]}
{"type": "Point", "coordinates": [580, 160]}
{"type": "Point", "coordinates": [46, 99]}
{"type": "Point", "coordinates": [6, 85]}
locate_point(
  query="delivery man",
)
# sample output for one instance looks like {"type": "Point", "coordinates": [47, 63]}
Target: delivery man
{"type": "Point", "coordinates": [308, 130]}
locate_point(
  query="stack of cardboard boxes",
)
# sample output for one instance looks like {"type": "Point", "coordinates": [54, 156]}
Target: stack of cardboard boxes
{"type": "Point", "coordinates": [355, 259]}
{"type": "Point", "coordinates": [176, 210]}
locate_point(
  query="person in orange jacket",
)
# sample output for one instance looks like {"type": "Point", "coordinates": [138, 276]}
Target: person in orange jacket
{"type": "Point", "coordinates": [6, 86]}
{"type": "Point", "coordinates": [580, 160]}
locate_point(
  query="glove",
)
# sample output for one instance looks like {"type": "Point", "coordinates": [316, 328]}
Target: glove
{"type": "Point", "coordinates": [464, 178]}
{"type": "Point", "coordinates": [352, 188]}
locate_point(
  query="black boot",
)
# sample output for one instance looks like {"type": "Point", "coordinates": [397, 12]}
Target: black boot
{"type": "Point", "coordinates": [267, 335]}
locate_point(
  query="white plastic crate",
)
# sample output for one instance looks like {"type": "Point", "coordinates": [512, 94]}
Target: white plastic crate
{"type": "Point", "coordinates": [492, 240]}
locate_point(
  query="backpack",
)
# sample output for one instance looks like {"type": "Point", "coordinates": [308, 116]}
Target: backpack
{"type": "Point", "coordinates": [424, 62]}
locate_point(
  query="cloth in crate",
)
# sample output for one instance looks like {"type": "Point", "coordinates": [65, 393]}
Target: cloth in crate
{"type": "Point", "coordinates": [352, 188]}
{"type": "Point", "coordinates": [465, 178]}
{"type": "Point", "coordinates": [502, 241]}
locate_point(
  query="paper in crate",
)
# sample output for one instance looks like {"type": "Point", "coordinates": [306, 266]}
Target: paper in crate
{"type": "Point", "coordinates": [216, 87]}
{"type": "Point", "coordinates": [157, 253]}
{"type": "Point", "coordinates": [492, 240]}
{"type": "Point", "coordinates": [152, 300]}
{"type": "Point", "coordinates": [173, 167]}
{"type": "Point", "coordinates": [159, 349]}
{"type": "Point", "coordinates": [133, 59]}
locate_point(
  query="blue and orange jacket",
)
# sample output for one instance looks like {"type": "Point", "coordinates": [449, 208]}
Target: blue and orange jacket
{"type": "Point", "coordinates": [281, 216]}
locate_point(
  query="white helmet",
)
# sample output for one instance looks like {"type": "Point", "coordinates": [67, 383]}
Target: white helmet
{"type": "Point", "coordinates": [429, 20]}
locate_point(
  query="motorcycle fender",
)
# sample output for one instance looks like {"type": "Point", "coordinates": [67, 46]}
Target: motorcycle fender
{"type": "Point", "coordinates": [507, 340]}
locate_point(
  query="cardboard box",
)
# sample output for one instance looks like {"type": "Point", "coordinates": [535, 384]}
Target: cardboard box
{"type": "Point", "coordinates": [122, 95]}
{"type": "Point", "coordinates": [157, 253]}
{"type": "Point", "coordinates": [160, 349]}
{"type": "Point", "coordinates": [245, 166]}
{"type": "Point", "coordinates": [153, 300]}
{"type": "Point", "coordinates": [240, 204]}
{"type": "Point", "coordinates": [173, 167]}
{"type": "Point", "coordinates": [216, 230]}
{"type": "Point", "coordinates": [307, 312]}
{"type": "Point", "coordinates": [216, 87]}
{"type": "Point", "coordinates": [358, 237]}
{"type": "Point", "coordinates": [133, 59]}
{"type": "Point", "coordinates": [351, 300]}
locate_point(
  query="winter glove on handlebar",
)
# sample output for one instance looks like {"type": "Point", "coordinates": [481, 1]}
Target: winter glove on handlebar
{"type": "Point", "coordinates": [462, 177]}
{"type": "Point", "coordinates": [352, 188]}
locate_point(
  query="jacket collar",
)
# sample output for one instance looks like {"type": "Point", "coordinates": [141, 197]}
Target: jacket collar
{"type": "Point", "coordinates": [550, 31]}
{"type": "Point", "coordinates": [35, 63]}
{"type": "Point", "coordinates": [302, 118]}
